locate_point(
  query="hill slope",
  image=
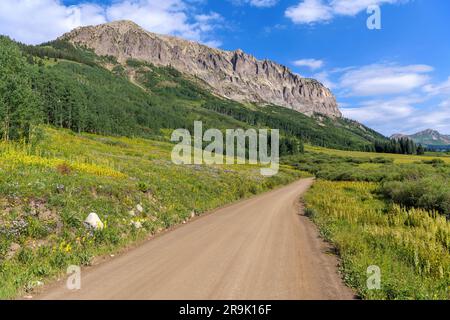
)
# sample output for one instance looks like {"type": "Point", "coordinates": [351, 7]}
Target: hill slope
{"type": "Point", "coordinates": [86, 92]}
{"type": "Point", "coordinates": [231, 74]}
{"type": "Point", "coordinates": [48, 189]}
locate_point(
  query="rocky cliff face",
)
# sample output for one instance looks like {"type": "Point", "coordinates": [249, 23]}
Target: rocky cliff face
{"type": "Point", "coordinates": [232, 74]}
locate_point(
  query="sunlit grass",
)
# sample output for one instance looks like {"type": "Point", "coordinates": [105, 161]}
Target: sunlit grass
{"type": "Point", "coordinates": [411, 246]}
{"type": "Point", "coordinates": [398, 158]}
{"type": "Point", "coordinates": [48, 189]}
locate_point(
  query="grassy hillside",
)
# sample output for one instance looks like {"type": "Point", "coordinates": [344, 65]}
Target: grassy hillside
{"type": "Point", "coordinates": [84, 92]}
{"type": "Point", "coordinates": [48, 189]}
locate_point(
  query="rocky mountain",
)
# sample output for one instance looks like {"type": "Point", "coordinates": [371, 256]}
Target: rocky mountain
{"type": "Point", "coordinates": [427, 137]}
{"type": "Point", "coordinates": [232, 74]}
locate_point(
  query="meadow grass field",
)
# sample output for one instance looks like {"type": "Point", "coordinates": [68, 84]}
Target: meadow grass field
{"type": "Point", "coordinates": [48, 188]}
{"type": "Point", "coordinates": [389, 211]}
{"type": "Point", "coordinates": [397, 158]}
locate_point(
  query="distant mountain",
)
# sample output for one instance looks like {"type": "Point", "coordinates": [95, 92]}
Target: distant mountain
{"type": "Point", "coordinates": [231, 74]}
{"type": "Point", "coordinates": [427, 137]}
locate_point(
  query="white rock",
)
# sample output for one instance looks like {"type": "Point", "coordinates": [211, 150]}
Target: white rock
{"type": "Point", "coordinates": [136, 224]}
{"type": "Point", "coordinates": [192, 214]}
{"type": "Point", "coordinates": [139, 208]}
{"type": "Point", "coordinates": [93, 221]}
{"type": "Point", "coordinates": [131, 213]}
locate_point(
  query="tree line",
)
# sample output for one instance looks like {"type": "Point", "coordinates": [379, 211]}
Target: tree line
{"type": "Point", "coordinates": [399, 146]}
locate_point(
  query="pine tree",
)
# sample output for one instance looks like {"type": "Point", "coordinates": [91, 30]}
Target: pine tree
{"type": "Point", "coordinates": [420, 150]}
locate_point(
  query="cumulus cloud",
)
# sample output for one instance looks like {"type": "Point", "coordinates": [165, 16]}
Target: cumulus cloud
{"type": "Point", "coordinates": [48, 19]}
{"type": "Point", "coordinates": [384, 79]}
{"type": "Point", "coordinates": [312, 64]}
{"type": "Point", "coordinates": [390, 97]}
{"type": "Point", "coordinates": [316, 11]}
{"type": "Point", "coordinates": [309, 11]}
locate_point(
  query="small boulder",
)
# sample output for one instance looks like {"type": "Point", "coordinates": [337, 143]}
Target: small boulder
{"type": "Point", "coordinates": [136, 224]}
{"type": "Point", "coordinates": [93, 222]}
{"type": "Point", "coordinates": [131, 213]}
{"type": "Point", "coordinates": [192, 214]}
{"type": "Point", "coordinates": [139, 208]}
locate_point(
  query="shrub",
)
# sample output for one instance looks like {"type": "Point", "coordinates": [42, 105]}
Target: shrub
{"type": "Point", "coordinates": [431, 193]}
{"type": "Point", "coordinates": [310, 213]}
{"type": "Point", "coordinates": [143, 187]}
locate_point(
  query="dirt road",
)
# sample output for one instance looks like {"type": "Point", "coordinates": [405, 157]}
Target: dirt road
{"type": "Point", "coordinates": [261, 248]}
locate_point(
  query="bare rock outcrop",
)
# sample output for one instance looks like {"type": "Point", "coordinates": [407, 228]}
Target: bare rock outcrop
{"type": "Point", "coordinates": [232, 74]}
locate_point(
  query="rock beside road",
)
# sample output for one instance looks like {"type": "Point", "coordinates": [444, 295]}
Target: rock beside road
{"type": "Point", "coordinates": [93, 222]}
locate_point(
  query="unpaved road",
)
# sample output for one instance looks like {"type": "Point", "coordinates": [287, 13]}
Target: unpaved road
{"type": "Point", "coordinates": [261, 248]}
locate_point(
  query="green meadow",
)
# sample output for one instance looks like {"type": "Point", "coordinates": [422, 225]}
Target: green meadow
{"type": "Point", "coordinates": [47, 189]}
{"type": "Point", "coordinates": [389, 211]}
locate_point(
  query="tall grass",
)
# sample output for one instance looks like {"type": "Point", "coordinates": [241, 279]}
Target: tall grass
{"type": "Point", "coordinates": [411, 246]}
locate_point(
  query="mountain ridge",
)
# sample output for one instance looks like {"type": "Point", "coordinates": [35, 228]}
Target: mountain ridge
{"type": "Point", "coordinates": [428, 137]}
{"type": "Point", "coordinates": [231, 74]}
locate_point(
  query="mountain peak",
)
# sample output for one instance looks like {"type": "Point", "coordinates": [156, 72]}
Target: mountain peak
{"type": "Point", "coordinates": [232, 74]}
{"type": "Point", "coordinates": [429, 137]}
{"type": "Point", "coordinates": [428, 132]}
{"type": "Point", "coordinates": [124, 23]}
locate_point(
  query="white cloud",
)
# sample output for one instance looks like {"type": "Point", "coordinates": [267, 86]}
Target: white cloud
{"type": "Point", "coordinates": [439, 89]}
{"type": "Point", "coordinates": [316, 11]}
{"type": "Point", "coordinates": [408, 115]}
{"type": "Point", "coordinates": [353, 7]}
{"type": "Point", "coordinates": [309, 11]}
{"type": "Point", "coordinates": [256, 3]}
{"type": "Point", "coordinates": [324, 78]}
{"type": "Point", "coordinates": [384, 79]}
{"type": "Point", "coordinates": [445, 103]}
{"type": "Point", "coordinates": [313, 64]}
{"type": "Point", "coordinates": [38, 21]}
{"type": "Point", "coordinates": [376, 112]}
{"type": "Point", "coordinates": [263, 3]}
{"type": "Point", "coordinates": [390, 97]}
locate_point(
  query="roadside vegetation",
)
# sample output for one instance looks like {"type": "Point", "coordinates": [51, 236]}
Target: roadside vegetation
{"type": "Point", "coordinates": [48, 189]}
{"type": "Point", "coordinates": [391, 212]}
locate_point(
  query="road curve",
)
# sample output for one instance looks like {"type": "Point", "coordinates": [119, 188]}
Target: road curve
{"type": "Point", "coordinates": [261, 248]}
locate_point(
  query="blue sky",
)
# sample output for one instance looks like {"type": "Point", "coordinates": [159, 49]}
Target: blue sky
{"type": "Point", "coordinates": [396, 79]}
